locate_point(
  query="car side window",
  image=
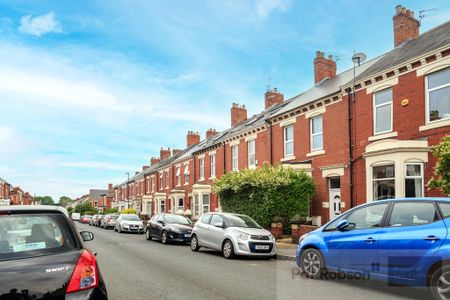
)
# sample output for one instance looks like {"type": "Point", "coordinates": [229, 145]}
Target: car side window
{"type": "Point", "coordinates": [367, 217]}
{"type": "Point", "coordinates": [216, 219]}
{"type": "Point", "coordinates": [205, 219]}
{"type": "Point", "coordinates": [445, 208]}
{"type": "Point", "coordinates": [334, 223]}
{"type": "Point", "coordinates": [412, 214]}
{"type": "Point", "coordinates": [160, 218]}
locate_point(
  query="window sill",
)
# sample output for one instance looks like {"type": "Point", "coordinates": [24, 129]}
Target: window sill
{"type": "Point", "coordinates": [315, 153]}
{"type": "Point", "coordinates": [286, 158]}
{"type": "Point", "coordinates": [435, 124]}
{"type": "Point", "coordinates": [212, 177]}
{"type": "Point", "coordinates": [382, 136]}
{"type": "Point", "coordinates": [251, 167]}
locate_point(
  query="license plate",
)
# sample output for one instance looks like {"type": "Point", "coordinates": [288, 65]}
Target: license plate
{"type": "Point", "coordinates": [262, 247]}
{"type": "Point", "coordinates": [187, 235]}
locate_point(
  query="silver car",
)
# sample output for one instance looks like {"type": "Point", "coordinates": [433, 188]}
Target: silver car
{"type": "Point", "coordinates": [129, 223]}
{"type": "Point", "coordinates": [232, 234]}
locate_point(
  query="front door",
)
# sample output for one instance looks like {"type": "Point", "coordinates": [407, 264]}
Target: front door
{"type": "Point", "coordinates": [335, 196]}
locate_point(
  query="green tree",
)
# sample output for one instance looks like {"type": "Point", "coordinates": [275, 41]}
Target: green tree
{"type": "Point", "coordinates": [45, 200]}
{"type": "Point", "coordinates": [441, 177]}
{"type": "Point", "coordinates": [265, 193]}
{"type": "Point", "coordinates": [82, 208]}
{"type": "Point", "coordinates": [64, 201]}
{"type": "Point", "coordinates": [111, 210]}
{"type": "Point", "coordinates": [130, 211]}
{"type": "Point", "coordinates": [70, 210]}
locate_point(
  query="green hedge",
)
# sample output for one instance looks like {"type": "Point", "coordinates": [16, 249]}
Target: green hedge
{"type": "Point", "coordinates": [265, 193]}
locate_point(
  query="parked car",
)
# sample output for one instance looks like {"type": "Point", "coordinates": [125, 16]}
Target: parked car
{"type": "Point", "coordinates": [129, 223]}
{"type": "Point", "coordinates": [92, 221]}
{"type": "Point", "coordinates": [98, 220]}
{"type": "Point", "coordinates": [169, 228]}
{"type": "Point", "coordinates": [232, 234]}
{"type": "Point", "coordinates": [44, 256]}
{"type": "Point", "coordinates": [109, 221]}
{"type": "Point", "coordinates": [85, 219]}
{"type": "Point", "coordinates": [403, 241]}
{"type": "Point", "coordinates": [75, 216]}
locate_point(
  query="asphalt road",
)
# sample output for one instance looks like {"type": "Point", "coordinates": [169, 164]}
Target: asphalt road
{"type": "Point", "coordinates": [135, 268]}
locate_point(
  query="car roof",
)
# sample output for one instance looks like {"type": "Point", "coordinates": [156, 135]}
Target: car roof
{"type": "Point", "coordinates": [445, 199]}
{"type": "Point", "coordinates": [34, 208]}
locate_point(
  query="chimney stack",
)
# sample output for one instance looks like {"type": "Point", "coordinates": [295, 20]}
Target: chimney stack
{"type": "Point", "coordinates": [272, 97]}
{"type": "Point", "coordinates": [323, 67]}
{"type": "Point", "coordinates": [210, 132]}
{"type": "Point", "coordinates": [406, 27]}
{"type": "Point", "coordinates": [192, 138]}
{"type": "Point", "coordinates": [110, 186]}
{"type": "Point", "coordinates": [145, 168]}
{"type": "Point", "coordinates": [164, 153]}
{"type": "Point", "coordinates": [238, 114]}
{"type": "Point", "coordinates": [154, 160]}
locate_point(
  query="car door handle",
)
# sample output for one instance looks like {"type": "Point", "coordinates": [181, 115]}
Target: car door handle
{"type": "Point", "coordinates": [431, 239]}
{"type": "Point", "coordinates": [370, 240]}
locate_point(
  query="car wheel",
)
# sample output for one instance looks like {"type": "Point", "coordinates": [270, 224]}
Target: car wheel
{"type": "Point", "coordinates": [228, 249]}
{"type": "Point", "coordinates": [164, 238]}
{"type": "Point", "coordinates": [119, 230]}
{"type": "Point", "coordinates": [148, 236]}
{"type": "Point", "coordinates": [440, 283]}
{"type": "Point", "coordinates": [194, 243]}
{"type": "Point", "coordinates": [312, 263]}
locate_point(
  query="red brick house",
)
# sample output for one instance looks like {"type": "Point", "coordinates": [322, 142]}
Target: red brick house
{"type": "Point", "coordinates": [16, 196]}
{"type": "Point", "coordinates": [5, 189]}
{"type": "Point", "coordinates": [363, 134]}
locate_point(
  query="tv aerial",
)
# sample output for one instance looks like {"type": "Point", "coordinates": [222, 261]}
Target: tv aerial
{"type": "Point", "coordinates": [358, 58]}
{"type": "Point", "coordinates": [424, 13]}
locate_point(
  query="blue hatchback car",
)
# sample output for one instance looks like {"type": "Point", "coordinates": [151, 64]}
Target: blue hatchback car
{"type": "Point", "coordinates": [402, 241]}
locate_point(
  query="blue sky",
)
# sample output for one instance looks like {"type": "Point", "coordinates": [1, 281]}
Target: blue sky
{"type": "Point", "coordinates": [92, 89]}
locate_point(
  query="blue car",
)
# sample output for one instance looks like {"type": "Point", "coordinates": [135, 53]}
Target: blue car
{"type": "Point", "coordinates": [402, 241]}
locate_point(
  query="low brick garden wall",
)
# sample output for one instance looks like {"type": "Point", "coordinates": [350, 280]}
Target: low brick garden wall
{"type": "Point", "coordinates": [299, 230]}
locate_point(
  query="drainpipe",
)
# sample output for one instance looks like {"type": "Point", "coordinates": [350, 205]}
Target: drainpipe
{"type": "Point", "coordinates": [351, 97]}
{"type": "Point", "coordinates": [270, 142]}
{"type": "Point", "coordinates": [224, 159]}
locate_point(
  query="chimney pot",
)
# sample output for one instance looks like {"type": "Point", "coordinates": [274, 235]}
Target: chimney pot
{"type": "Point", "coordinates": [323, 67]}
{"type": "Point", "coordinates": [272, 97]}
{"type": "Point", "coordinates": [110, 186]}
{"type": "Point", "coordinates": [238, 114]}
{"type": "Point", "coordinates": [192, 138]}
{"type": "Point", "coordinates": [164, 153]}
{"type": "Point", "coordinates": [210, 132]}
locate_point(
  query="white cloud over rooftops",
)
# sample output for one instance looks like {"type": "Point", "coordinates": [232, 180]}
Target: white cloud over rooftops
{"type": "Point", "coordinates": [40, 25]}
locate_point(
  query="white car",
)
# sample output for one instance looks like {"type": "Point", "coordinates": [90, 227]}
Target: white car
{"type": "Point", "coordinates": [75, 216]}
{"type": "Point", "coordinates": [129, 223]}
{"type": "Point", "coordinates": [232, 234]}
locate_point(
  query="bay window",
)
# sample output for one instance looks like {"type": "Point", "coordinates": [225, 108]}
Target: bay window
{"type": "Point", "coordinates": [288, 140]}
{"type": "Point", "coordinates": [382, 111]}
{"type": "Point", "coordinates": [205, 203]}
{"type": "Point", "coordinates": [383, 182]}
{"type": "Point", "coordinates": [438, 95]}
{"type": "Point", "coordinates": [414, 180]}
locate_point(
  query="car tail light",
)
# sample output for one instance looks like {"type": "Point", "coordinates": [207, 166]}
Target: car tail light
{"type": "Point", "coordinates": [85, 274]}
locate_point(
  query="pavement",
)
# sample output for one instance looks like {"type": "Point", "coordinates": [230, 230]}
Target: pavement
{"type": "Point", "coordinates": [134, 268]}
{"type": "Point", "coordinates": [286, 250]}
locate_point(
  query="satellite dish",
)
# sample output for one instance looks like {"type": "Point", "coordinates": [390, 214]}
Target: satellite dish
{"type": "Point", "coordinates": [358, 58]}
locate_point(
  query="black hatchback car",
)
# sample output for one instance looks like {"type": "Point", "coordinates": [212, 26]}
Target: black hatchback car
{"type": "Point", "coordinates": [42, 256]}
{"type": "Point", "coordinates": [169, 228]}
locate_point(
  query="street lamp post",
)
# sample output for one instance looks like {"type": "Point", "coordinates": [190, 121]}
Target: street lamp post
{"type": "Point", "coordinates": [128, 189]}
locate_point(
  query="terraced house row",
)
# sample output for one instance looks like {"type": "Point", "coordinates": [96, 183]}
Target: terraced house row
{"type": "Point", "coordinates": [13, 195]}
{"type": "Point", "coordinates": [363, 134]}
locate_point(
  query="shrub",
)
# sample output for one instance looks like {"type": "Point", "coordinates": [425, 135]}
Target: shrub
{"type": "Point", "coordinates": [441, 177]}
{"type": "Point", "coordinates": [111, 211]}
{"type": "Point", "coordinates": [130, 211]}
{"type": "Point", "coordinates": [265, 193]}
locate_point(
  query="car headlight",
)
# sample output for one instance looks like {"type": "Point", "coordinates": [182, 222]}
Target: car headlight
{"type": "Point", "coordinates": [303, 237]}
{"type": "Point", "coordinates": [125, 225]}
{"type": "Point", "coordinates": [176, 230]}
{"type": "Point", "coordinates": [242, 235]}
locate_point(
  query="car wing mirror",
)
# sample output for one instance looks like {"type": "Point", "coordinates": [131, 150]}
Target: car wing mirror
{"type": "Point", "coordinates": [342, 225]}
{"type": "Point", "coordinates": [219, 224]}
{"type": "Point", "coordinates": [87, 236]}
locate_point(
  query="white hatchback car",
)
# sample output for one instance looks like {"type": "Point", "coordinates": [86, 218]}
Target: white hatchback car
{"type": "Point", "coordinates": [129, 223]}
{"type": "Point", "coordinates": [232, 234]}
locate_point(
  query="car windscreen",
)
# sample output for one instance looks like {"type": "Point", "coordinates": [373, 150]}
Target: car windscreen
{"type": "Point", "coordinates": [241, 221]}
{"type": "Point", "coordinates": [130, 218]}
{"type": "Point", "coordinates": [114, 217]}
{"type": "Point", "coordinates": [28, 235]}
{"type": "Point", "coordinates": [177, 219]}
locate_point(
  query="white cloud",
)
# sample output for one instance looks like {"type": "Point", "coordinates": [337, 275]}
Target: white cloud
{"type": "Point", "coordinates": [40, 25]}
{"type": "Point", "coordinates": [265, 7]}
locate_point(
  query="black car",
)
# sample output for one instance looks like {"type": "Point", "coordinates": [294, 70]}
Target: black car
{"type": "Point", "coordinates": [169, 228]}
{"type": "Point", "coordinates": [42, 256]}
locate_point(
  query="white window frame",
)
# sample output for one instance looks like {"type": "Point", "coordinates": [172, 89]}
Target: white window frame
{"type": "Point", "coordinates": [161, 181]}
{"type": "Point", "coordinates": [427, 98]}
{"type": "Point", "coordinates": [212, 164]}
{"type": "Point", "coordinates": [235, 158]}
{"type": "Point", "coordinates": [390, 103]}
{"type": "Point", "coordinates": [148, 185]}
{"type": "Point", "coordinates": [178, 204]}
{"type": "Point", "coordinates": [286, 142]}
{"type": "Point", "coordinates": [186, 175]}
{"type": "Point", "coordinates": [196, 206]}
{"type": "Point", "coordinates": [201, 169]}
{"type": "Point", "coordinates": [153, 183]}
{"type": "Point", "coordinates": [251, 154]}
{"type": "Point", "coordinates": [312, 135]}
{"type": "Point", "coordinates": [203, 205]}
{"type": "Point", "coordinates": [415, 177]}
{"type": "Point", "coordinates": [178, 176]}
{"type": "Point", "coordinates": [166, 174]}
{"type": "Point", "coordinates": [384, 179]}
